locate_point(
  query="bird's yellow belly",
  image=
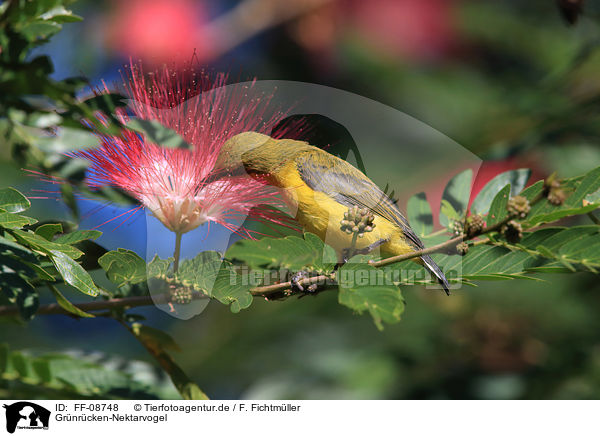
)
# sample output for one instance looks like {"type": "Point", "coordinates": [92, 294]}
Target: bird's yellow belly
{"type": "Point", "coordinates": [322, 215]}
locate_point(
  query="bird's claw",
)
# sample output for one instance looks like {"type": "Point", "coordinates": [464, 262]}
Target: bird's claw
{"type": "Point", "coordinates": [347, 253]}
{"type": "Point", "coordinates": [298, 287]}
{"type": "Point", "coordinates": [372, 246]}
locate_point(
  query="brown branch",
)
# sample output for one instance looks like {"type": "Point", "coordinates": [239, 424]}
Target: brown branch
{"type": "Point", "coordinates": [126, 303]}
{"type": "Point", "coordinates": [261, 291]}
{"type": "Point", "coordinates": [444, 246]}
{"type": "Point", "coordinates": [266, 291]}
{"type": "Point", "coordinates": [440, 247]}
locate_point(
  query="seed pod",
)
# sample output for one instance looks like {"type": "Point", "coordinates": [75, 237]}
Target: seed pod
{"type": "Point", "coordinates": [512, 231]}
{"type": "Point", "coordinates": [557, 197]}
{"type": "Point", "coordinates": [359, 221]}
{"type": "Point", "coordinates": [462, 248]}
{"type": "Point", "coordinates": [180, 294]}
{"type": "Point", "coordinates": [474, 225]}
{"type": "Point", "coordinates": [550, 183]}
{"type": "Point", "coordinates": [518, 206]}
{"type": "Point", "coordinates": [458, 227]}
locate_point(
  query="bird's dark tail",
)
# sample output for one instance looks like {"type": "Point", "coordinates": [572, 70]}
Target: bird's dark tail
{"type": "Point", "coordinates": [437, 272]}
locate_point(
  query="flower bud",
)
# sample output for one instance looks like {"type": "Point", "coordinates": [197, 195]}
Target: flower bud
{"type": "Point", "coordinates": [474, 225]}
{"type": "Point", "coordinates": [180, 294]}
{"type": "Point", "coordinates": [518, 206]}
{"type": "Point", "coordinates": [458, 227]}
{"type": "Point", "coordinates": [512, 231]}
{"type": "Point", "coordinates": [556, 197]}
{"type": "Point", "coordinates": [462, 248]}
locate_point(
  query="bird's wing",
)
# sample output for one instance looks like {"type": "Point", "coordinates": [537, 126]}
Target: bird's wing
{"type": "Point", "coordinates": [348, 186]}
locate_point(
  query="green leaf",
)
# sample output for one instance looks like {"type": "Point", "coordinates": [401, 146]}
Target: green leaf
{"type": "Point", "coordinates": [594, 197]}
{"type": "Point", "coordinates": [200, 272]}
{"type": "Point", "coordinates": [123, 267]}
{"type": "Point", "coordinates": [106, 103]}
{"type": "Point", "coordinates": [419, 214]}
{"type": "Point", "coordinates": [40, 29]}
{"type": "Point", "coordinates": [291, 253]}
{"type": "Point", "coordinates": [20, 364]}
{"type": "Point", "coordinates": [60, 15]}
{"type": "Point", "coordinates": [78, 236]}
{"type": "Point", "coordinates": [39, 243]}
{"type": "Point", "coordinates": [76, 375]}
{"type": "Point", "coordinates": [448, 211]}
{"type": "Point", "coordinates": [73, 273]}
{"type": "Point", "coordinates": [365, 288]}
{"type": "Point", "coordinates": [456, 194]}
{"type": "Point", "coordinates": [60, 375]}
{"type": "Point", "coordinates": [67, 305]}
{"type": "Point", "coordinates": [13, 201]}
{"type": "Point", "coordinates": [191, 391]}
{"type": "Point", "coordinates": [326, 258]}
{"type": "Point", "coordinates": [73, 169]}
{"type": "Point", "coordinates": [20, 292]}
{"type": "Point", "coordinates": [13, 221]}
{"type": "Point", "coordinates": [550, 249]}
{"type": "Point", "coordinates": [11, 247]}
{"type": "Point", "coordinates": [158, 267]}
{"type": "Point", "coordinates": [157, 339]}
{"type": "Point", "coordinates": [215, 277]}
{"type": "Point", "coordinates": [577, 189]}
{"type": "Point", "coordinates": [41, 368]}
{"type": "Point", "coordinates": [229, 288]}
{"type": "Point", "coordinates": [47, 231]}
{"type": "Point", "coordinates": [155, 132]}
{"type": "Point", "coordinates": [41, 272]}
{"type": "Point", "coordinates": [91, 379]}
{"type": "Point", "coordinates": [11, 263]}
{"type": "Point", "coordinates": [68, 139]}
{"type": "Point", "coordinates": [588, 185]}
{"type": "Point", "coordinates": [517, 180]}
{"type": "Point", "coordinates": [156, 342]}
{"type": "Point", "coordinates": [498, 209]}
{"type": "Point", "coordinates": [3, 358]}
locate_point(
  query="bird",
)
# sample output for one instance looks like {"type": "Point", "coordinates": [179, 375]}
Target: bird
{"type": "Point", "coordinates": [321, 188]}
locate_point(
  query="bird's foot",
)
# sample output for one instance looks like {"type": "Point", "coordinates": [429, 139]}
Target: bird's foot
{"type": "Point", "coordinates": [347, 253]}
{"type": "Point", "coordinates": [298, 287]}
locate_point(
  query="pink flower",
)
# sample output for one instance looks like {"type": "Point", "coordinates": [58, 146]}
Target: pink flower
{"type": "Point", "coordinates": [173, 183]}
{"type": "Point", "coordinates": [419, 30]}
{"type": "Point", "coordinates": [160, 30]}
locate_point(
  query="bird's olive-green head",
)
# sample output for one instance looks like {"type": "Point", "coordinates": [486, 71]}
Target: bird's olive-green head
{"type": "Point", "coordinates": [230, 158]}
{"type": "Point", "coordinates": [256, 153]}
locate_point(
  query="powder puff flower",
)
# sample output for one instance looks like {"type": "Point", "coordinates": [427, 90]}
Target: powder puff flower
{"type": "Point", "coordinates": [173, 184]}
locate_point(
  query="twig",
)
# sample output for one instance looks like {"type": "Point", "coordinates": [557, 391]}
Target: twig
{"type": "Point", "coordinates": [451, 243]}
{"type": "Point", "coordinates": [186, 387]}
{"type": "Point", "coordinates": [265, 291]}
{"type": "Point", "coordinates": [114, 303]}
{"type": "Point", "coordinates": [261, 291]}
{"type": "Point", "coordinates": [443, 246]}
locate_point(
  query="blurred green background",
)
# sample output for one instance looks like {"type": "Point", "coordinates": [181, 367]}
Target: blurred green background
{"type": "Point", "coordinates": [510, 81]}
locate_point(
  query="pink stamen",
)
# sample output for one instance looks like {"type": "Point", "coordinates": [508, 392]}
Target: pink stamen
{"type": "Point", "coordinates": [173, 183]}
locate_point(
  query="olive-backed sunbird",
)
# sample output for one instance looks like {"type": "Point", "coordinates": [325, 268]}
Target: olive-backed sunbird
{"type": "Point", "coordinates": [321, 188]}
